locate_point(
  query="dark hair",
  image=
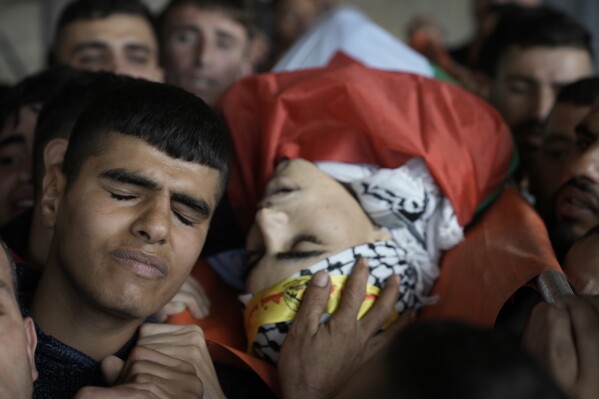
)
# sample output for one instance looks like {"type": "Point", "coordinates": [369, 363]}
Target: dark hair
{"type": "Point", "coordinates": [13, 268]}
{"type": "Point", "coordinates": [530, 27]}
{"type": "Point", "coordinates": [239, 10]}
{"type": "Point", "coordinates": [583, 92]}
{"type": "Point", "coordinates": [166, 117]}
{"type": "Point", "coordinates": [454, 360]}
{"type": "Point", "coordinates": [59, 114]}
{"type": "Point", "coordinates": [86, 10]}
{"type": "Point", "coordinates": [35, 89]}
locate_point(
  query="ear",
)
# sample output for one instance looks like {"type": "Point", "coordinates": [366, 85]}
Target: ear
{"type": "Point", "coordinates": [31, 345]}
{"type": "Point", "coordinates": [53, 185]}
{"type": "Point", "coordinates": [382, 234]}
{"type": "Point", "coordinates": [54, 152]}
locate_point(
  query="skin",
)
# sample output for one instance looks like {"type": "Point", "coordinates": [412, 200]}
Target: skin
{"type": "Point", "coordinates": [159, 208]}
{"type": "Point", "coordinates": [16, 147]}
{"type": "Point", "coordinates": [305, 216]}
{"type": "Point", "coordinates": [581, 265]}
{"type": "Point", "coordinates": [293, 17]}
{"type": "Point", "coordinates": [17, 340]}
{"type": "Point", "coordinates": [120, 43]}
{"type": "Point", "coordinates": [559, 144]}
{"type": "Point", "coordinates": [577, 201]}
{"type": "Point", "coordinates": [526, 85]}
{"type": "Point", "coordinates": [205, 51]}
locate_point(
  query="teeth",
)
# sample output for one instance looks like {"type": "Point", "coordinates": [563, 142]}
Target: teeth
{"type": "Point", "coordinates": [25, 203]}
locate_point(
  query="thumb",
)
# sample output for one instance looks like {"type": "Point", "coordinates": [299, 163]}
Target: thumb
{"type": "Point", "coordinates": [111, 369]}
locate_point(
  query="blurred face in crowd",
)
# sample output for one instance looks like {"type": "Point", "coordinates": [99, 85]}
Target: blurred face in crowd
{"type": "Point", "coordinates": [139, 218]}
{"type": "Point", "coordinates": [559, 144]}
{"type": "Point", "coordinates": [120, 43]}
{"type": "Point", "coordinates": [205, 51]}
{"type": "Point", "coordinates": [17, 340]}
{"type": "Point", "coordinates": [304, 217]}
{"type": "Point", "coordinates": [577, 201]}
{"type": "Point", "coordinates": [16, 149]}
{"type": "Point", "coordinates": [526, 85]}
{"type": "Point", "coordinates": [293, 17]}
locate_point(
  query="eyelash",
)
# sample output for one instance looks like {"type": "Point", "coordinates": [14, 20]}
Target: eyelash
{"type": "Point", "coordinates": [120, 197]}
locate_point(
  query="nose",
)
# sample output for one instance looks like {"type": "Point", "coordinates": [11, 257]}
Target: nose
{"type": "Point", "coordinates": [273, 226]}
{"type": "Point", "coordinates": [544, 101]}
{"type": "Point", "coordinates": [586, 164]}
{"type": "Point", "coordinates": [153, 223]}
{"type": "Point", "coordinates": [25, 173]}
{"type": "Point", "coordinates": [204, 52]}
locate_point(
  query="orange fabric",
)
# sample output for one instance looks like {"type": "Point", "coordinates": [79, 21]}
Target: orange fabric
{"type": "Point", "coordinates": [506, 248]}
{"type": "Point", "coordinates": [223, 328]}
{"type": "Point", "coordinates": [351, 113]}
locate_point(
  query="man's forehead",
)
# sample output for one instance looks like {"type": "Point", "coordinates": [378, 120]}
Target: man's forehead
{"type": "Point", "coordinates": [564, 59]}
{"type": "Point", "coordinates": [193, 15]}
{"type": "Point", "coordinates": [125, 27]}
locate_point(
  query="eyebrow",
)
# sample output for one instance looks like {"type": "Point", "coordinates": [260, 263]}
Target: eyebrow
{"type": "Point", "coordinates": [93, 45]}
{"type": "Point", "coordinates": [125, 177]}
{"type": "Point", "coordinates": [197, 205]}
{"type": "Point", "coordinates": [226, 35]}
{"type": "Point", "coordinates": [12, 139]}
{"type": "Point", "coordinates": [584, 130]}
{"type": "Point", "coordinates": [137, 47]}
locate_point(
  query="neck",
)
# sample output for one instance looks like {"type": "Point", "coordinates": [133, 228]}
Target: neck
{"type": "Point", "coordinates": [38, 244]}
{"type": "Point", "coordinates": [62, 312]}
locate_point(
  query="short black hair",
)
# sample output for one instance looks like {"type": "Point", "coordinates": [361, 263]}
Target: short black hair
{"type": "Point", "coordinates": [447, 359]}
{"type": "Point", "coordinates": [583, 92]}
{"type": "Point", "coordinates": [87, 10]}
{"type": "Point", "coordinates": [35, 89]}
{"type": "Point", "coordinates": [13, 269]}
{"type": "Point", "coordinates": [241, 11]}
{"type": "Point", "coordinates": [530, 27]}
{"type": "Point", "coordinates": [59, 114]}
{"type": "Point", "coordinates": [166, 117]}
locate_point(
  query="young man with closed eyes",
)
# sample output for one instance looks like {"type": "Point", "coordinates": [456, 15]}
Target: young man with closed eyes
{"type": "Point", "coordinates": [129, 209]}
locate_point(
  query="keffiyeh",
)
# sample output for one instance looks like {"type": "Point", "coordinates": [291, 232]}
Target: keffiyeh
{"type": "Point", "coordinates": [422, 223]}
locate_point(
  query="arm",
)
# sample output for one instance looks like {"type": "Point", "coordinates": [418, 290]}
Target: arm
{"type": "Point", "coordinates": [317, 358]}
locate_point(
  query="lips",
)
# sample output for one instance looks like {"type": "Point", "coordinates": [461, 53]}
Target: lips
{"type": "Point", "coordinates": [141, 264]}
{"type": "Point", "coordinates": [22, 199]}
{"type": "Point", "coordinates": [576, 203]}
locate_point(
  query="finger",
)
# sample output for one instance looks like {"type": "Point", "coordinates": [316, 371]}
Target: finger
{"type": "Point", "coordinates": [198, 290]}
{"type": "Point", "coordinates": [353, 293]}
{"type": "Point", "coordinates": [585, 324]}
{"type": "Point", "coordinates": [170, 309]}
{"type": "Point", "coordinates": [112, 367]}
{"type": "Point", "coordinates": [144, 358]}
{"type": "Point", "coordinates": [172, 334]}
{"type": "Point", "coordinates": [314, 304]}
{"type": "Point", "coordinates": [384, 307]}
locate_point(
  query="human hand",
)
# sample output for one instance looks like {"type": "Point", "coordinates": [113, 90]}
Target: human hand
{"type": "Point", "coordinates": [191, 296]}
{"type": "Point", "coordinates": [317, 358]}
{"type": "Point", "coordinates": [146, 374]}
{"type": "Point", "coordinates": [186, 343]}
{"type": "Point", "coordinates": [565, 338]}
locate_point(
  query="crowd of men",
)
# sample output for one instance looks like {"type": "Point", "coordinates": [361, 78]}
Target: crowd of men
{"type": "Point", "coordinates": [114, 168]}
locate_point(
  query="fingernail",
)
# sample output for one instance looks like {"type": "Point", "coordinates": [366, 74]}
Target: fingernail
{"type": "Point", "coordinates": [320, 279]}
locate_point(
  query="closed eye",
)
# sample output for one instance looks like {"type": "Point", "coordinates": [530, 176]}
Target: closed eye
{"type": "Point", "coordinates": [183, 219]}
{"type": "Point", "coordinates": [121, 197]}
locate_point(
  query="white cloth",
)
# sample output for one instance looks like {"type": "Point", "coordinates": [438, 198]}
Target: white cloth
{"type": "Point", "coordinates": [349, 30]}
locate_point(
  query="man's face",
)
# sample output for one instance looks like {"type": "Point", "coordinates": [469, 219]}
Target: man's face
{"type": "Point", "coordinates": [526, 85]}
{"type": "Point", "coordinates": [577, 201]}
{"type": "Point", "coordinates": [205, 51]}
{"type": "Point", "coordinates": [559, 144]}
{"type": "Point", "coordinates": [130, 227]}
{"type": "Point", "coordinates": [120, 43]}
{"type": "Point", "coordinates": [17, 341]}
{"type": "Point", "coordinates": [16, 148]}
{"type": "Point", "coordinates": [304, 217]}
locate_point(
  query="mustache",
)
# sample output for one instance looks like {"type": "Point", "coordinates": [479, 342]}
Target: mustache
{"type": "Point", "coordinates": [582, 185]}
